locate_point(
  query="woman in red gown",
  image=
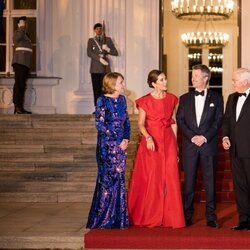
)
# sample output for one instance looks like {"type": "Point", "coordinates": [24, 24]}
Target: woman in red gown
{"type": "Point", "coordinates": [154, 197]}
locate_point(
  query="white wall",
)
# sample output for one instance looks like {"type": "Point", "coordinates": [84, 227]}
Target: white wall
{"type": "Point", "coordinates": [142, 44]}
{"type": "Point", "coordinates": [245, 40]}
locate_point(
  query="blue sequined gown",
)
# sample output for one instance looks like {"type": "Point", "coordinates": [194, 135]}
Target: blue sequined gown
{"type": "Point", "coordinates": [109, 205]}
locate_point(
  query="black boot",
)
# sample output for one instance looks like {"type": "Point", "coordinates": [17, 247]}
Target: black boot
{"type": "Point", "coordinates": [21, 110]}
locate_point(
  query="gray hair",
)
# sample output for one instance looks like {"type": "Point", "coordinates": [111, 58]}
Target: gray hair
{"type": "Point", "coordinates": [244, 74]}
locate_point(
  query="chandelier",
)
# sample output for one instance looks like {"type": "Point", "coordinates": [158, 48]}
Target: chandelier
{"type": "Point", "coordinates": [199, 39]}
{"type": "Point", "coordinates": [193, 9]}
{"type": "Point", "coordinates": [206, 36]}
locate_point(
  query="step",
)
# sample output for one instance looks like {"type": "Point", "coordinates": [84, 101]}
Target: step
{"type": "Point", "coordinates": [50, 166]}
{"type": "Point", "coordinates": [48, 176]}
{"type": "Point", "coordinates": [47, 186]}
{"type": "Point", "coordinates": [36, 157]}
{"type": "Point", "coordinates": [46, 197]}
{"type": "Point", "coordinates": [28, 241]}
{"type": "Point", "coordinates": [62, 138]}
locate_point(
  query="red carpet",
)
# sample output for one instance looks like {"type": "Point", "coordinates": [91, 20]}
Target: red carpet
{"type": "Point", "coordinates": [197, 236]}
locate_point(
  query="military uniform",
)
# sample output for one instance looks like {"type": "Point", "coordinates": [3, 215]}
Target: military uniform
{"type": "Point", "coordinates": [97, 69]}
{"type": "Point", "coordinates": [21, 62]}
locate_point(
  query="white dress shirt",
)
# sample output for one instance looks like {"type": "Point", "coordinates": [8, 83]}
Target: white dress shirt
{"type": "Point", "coordinates": [240, 103]}
{"type": "Point", "coordinates": [199, 105]}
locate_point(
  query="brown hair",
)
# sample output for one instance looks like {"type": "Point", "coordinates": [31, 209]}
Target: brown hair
{"type": "Point", "coordinates": [153, 77]}
{"type": "Point", "coordinates": [109, 81]}
{"type": "Point", "coordinates": [204, 69]}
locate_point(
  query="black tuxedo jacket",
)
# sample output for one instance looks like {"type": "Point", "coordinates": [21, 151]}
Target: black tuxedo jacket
{"type": "Point", "coordinates": [237, 131]}
{"type": "Point", "coordinates": [210, 123]}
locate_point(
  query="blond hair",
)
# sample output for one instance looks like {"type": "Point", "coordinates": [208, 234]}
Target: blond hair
{"type": "Point", "coordinates": [109, 81]}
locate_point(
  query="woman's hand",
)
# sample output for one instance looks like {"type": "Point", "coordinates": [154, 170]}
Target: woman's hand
{"type": "Point", "coordinates": [124, 144]}
{"type": "Point", "coordinates": [150, 143]}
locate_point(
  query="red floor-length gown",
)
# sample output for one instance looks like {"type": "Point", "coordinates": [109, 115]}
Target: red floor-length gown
{"type": "Point", "coordinates": [154, 197]}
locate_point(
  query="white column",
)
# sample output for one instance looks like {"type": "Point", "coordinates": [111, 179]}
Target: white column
{"type": "Point", "coordinates": [245, 33]}
{"type": "Point", "coordinates": [142, 44]}
{"type": "Point", "coordinates": [45, 36]}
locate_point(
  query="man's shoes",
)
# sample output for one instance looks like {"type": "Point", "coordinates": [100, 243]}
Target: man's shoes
{"type": "Point", "coordinates": [27, 112]}
{"type": "Point", "coordinates": [21, 110]}
{"type": "Point", "coordinates": [242, 226]}
{"type": "Point", "coordinates": [213, 224]}
{"type": "Point", "coordinates": [189, 223]}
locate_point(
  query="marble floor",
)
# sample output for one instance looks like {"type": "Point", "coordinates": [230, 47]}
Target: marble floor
{"type": "Point", "coordinates": [42, 225]}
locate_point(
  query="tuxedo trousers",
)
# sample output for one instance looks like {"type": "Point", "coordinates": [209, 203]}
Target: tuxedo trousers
{"type": "Point", "coordinates": [208, 167]}
{"type": "Point", "coordinates": [241, 179]}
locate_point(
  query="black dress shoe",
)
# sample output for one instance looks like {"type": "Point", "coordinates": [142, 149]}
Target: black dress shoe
{"type": "Point", "coordinates": [242, 226]}
{"type": "Point", "coordinates": [26, 112]}
{"type": "Point", "coordinates": [20, 110]}
{"type": "Point", "coordinates": [213, 224]}
{"type": "Point", "coordinates": [189, 222]}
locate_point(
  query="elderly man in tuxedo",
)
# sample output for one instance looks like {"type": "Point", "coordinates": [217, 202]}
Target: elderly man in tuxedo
{"type": "Point", "coordinates": [236, 137]}
{"type": "Point", "coordinates": [199, 118]}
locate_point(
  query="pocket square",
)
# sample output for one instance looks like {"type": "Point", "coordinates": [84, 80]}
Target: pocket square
{"type": "Point", "coordinates": [211, 105]}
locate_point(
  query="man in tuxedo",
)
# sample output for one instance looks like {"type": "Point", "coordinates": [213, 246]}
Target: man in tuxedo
{"type": "Point", "coordinates": [199, 118]}
{"type": "Point", "coordinates": [99, 48]}
{"type": "Point", "coordinates": [236, 137]}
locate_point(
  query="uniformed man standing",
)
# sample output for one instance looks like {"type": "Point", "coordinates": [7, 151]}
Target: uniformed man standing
{"type": "Point", "coordinates": [21, 63]}
{"type": "Point", "coordinates": [99, 47]}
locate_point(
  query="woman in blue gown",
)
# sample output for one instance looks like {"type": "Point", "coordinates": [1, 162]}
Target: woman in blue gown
{"type": "Point", "coordinates": [109, 205]}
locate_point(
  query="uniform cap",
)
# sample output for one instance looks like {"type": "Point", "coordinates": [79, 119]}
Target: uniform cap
{"type": "Point", "coordinates": [97, 25]}
{"type": "Point", "coordinates": [24, 18]}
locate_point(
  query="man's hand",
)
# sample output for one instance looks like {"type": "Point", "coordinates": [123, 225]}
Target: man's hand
{"type": "Point", "coordinates": [198, 140]}
{"type": "Point", "coordinates": [226, 143]}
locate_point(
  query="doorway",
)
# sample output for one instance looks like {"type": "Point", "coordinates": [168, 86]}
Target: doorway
{"type": "Point", "coordinates": [177, 59]}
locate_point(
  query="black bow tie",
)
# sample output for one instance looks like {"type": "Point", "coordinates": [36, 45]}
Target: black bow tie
{"type": "Point", "coordinates": [241, 94]}
{"type": "Point", "coordinates": [199, 93]}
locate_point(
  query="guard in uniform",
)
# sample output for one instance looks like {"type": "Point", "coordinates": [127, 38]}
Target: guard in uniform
{"type": "Point", "coordinates": [21, 63]}
{"type": "Point", "coordinates": [99, 47]}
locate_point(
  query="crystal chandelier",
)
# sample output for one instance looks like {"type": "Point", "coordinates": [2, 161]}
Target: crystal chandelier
{"type": "Point", "coordinates": [205, 36]}
{"type": "Point", "coordinates": [193, 9]}
{"type": "Point", "coordinates": [199, 39]}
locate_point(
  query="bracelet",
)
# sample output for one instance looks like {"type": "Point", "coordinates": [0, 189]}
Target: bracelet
{"type": "Point", "coordinates": [149, 138]}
